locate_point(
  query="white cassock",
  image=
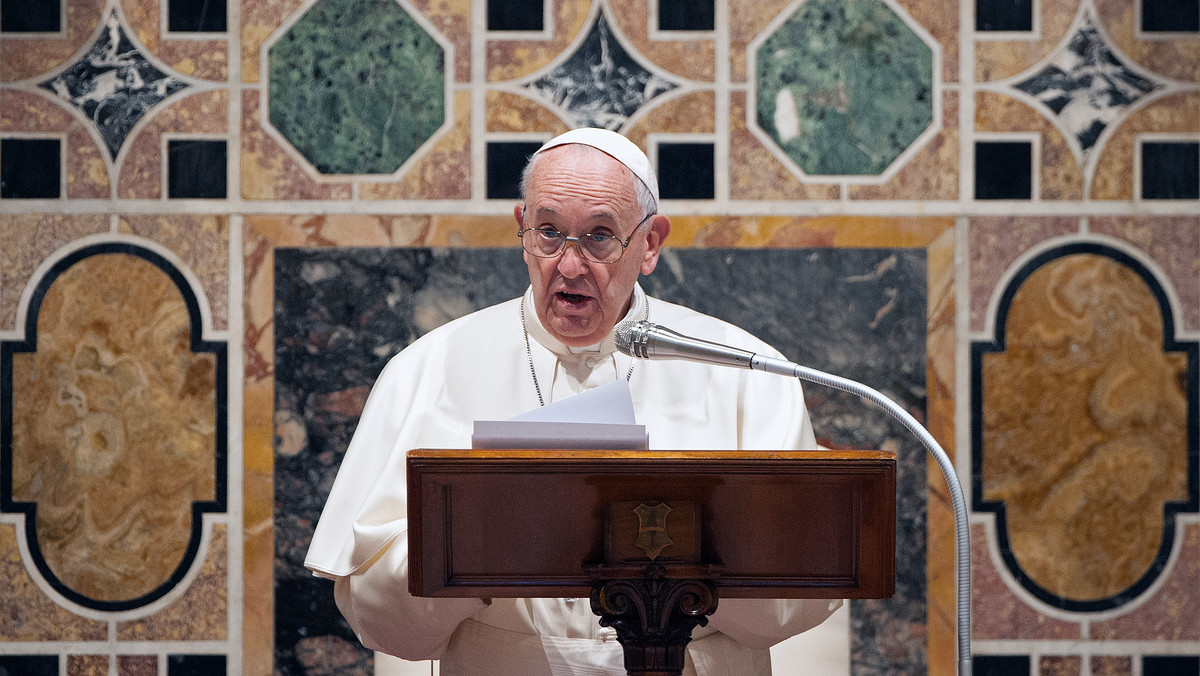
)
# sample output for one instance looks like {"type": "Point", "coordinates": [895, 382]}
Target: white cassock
{"type": "Point", "coordinates": [477, 368]}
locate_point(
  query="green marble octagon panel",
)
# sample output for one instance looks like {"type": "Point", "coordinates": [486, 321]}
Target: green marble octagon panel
{"type": "Point", "coordinates": [844, 86]}
{"type": "Point", "coordinates": [357, 86]}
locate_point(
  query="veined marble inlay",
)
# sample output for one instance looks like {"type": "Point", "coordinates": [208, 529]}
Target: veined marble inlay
{"type": "Point", "coordinates": [601, 84]}
{"type": "Point", "coordinates": [1082, 445]}
{"type": "Point", "coordinates": [1087, 85]}
{"type": "Point", "coordinates": [357, 86]}
{"type": "Point", "coordinates": [114, 429]}
{"type": "Point", "coordinates": [114, 85]}
{"type": "Point", "coordinates": [844, 87]}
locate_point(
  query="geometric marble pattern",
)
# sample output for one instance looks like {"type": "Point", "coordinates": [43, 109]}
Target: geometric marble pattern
{"type": "Point", "coordinates": [1087, 85]}
{"type": "Point", "coordinates": [113, 85]}
{"type": "Point", "coordinates": [600, 84]}
{"type": "Point", "coordinates": [1085, 377]}
{"type": "Point", "coordinates": [844, 87]}
{"type": "Point", "coordinates": [113, 416]}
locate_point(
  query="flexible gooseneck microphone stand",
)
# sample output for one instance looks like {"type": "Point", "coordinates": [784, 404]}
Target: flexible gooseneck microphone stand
{"type": "Point", "coordinates": [644, 340]}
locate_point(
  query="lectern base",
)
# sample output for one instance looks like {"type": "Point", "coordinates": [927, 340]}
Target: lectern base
{"type": "Point", "coordinates": [654, 614]}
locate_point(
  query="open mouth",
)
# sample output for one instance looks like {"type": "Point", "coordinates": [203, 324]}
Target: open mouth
{"type": "Point", "coordinates": [572, 298]}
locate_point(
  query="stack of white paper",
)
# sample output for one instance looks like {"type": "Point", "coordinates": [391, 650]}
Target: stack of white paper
{"type": "Point", "coordinates": [598, 418]}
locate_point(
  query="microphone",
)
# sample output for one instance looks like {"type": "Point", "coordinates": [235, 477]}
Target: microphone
{"type": "Point", "coordinates": [643, 340]}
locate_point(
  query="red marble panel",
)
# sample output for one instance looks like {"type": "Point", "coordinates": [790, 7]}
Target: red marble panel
{"type": "Point", "coordinates": [204, 59]}
{"type": "Point", "coordinates": [1174, 244]}
{"type": "Point", "coordinates": [1111, 665]}
{"type": "Point", "coordinates": [86, 164]}
{"type": "Point", "coordinates": [26, 57]}
{"type": "Point", "coordinates": [997, 613]}
{"type": "Point", "coordinates": [259, 19]}
{"type": "Point", "coordinates": [26, 614]}
{"type": "Point", "coordinates": [28, 239]}
{"type": "Point", "coordinates": [942, 27]}
{"type": "Point", "coordinates": [1060, 665]}
{"type": "Point", "coordinates": [1173, 613]}
{"type": "Point", "coordinates": [994, 243]}
{"type": "Point", "coordinates": [137, 665]}
{"type": "Point", "coordinates": [142, 173]}
{"type": "Point", "coordinates": [269, 172]}
{"type": "Point", "coordinates": [691, 114]}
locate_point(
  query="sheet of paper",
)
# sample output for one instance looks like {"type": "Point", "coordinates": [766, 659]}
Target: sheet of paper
{"type": "Point", "coordinates": [598, 418]}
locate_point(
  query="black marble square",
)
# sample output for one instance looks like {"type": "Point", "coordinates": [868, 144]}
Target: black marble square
{"type": "Point", "coordinates": [686, 171]}
{"type": "Point", "coordinates": [1170, 16]}
{"type": "Point", "coordinates": [30, 16]}
{"type": "Point", "coordinates": [1171, 170]}
{"type": "Point", "coordinates": [29, 665]}
{"type": "Point", "coordinates": [196, 16]}
{"type": "Point", "coordinates": [1171, 665]}
{"type": "Point", "coordinates": [196, 169]}
{"type": "Point", "coordinates": [1003, 15]}
{"type": "Point", "coordinates": [195, 665]}
{"type": "Point", "coordinates": [505, 162]}
{"type": "Point", "coordinates": [1000, 665]}
{"type": "Point", "coordinates": [686, 15]}
{"type": "Point", "coordinates": [515, 15]}
{"type": "Point", "coordinates": [30, 168]}
{"type": "Point", "coordinates": [1003, 170]}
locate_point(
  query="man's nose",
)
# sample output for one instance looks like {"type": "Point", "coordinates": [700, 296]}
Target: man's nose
{"type": "Point", "coordinates": [571, 262]}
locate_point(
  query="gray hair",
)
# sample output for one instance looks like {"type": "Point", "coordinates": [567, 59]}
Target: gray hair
{"type": "Point", "coordinates": [644, 199]}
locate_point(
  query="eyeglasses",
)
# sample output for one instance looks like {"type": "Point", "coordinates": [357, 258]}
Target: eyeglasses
{"type": "Point", "coordinates": [597, 247]}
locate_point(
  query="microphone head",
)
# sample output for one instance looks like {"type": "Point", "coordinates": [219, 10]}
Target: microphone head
{"type": "Point", "coordinates": [624, 337]}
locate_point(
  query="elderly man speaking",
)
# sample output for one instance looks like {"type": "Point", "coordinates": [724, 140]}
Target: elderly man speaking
{"type": "Point", "coordinates": [589, 226]}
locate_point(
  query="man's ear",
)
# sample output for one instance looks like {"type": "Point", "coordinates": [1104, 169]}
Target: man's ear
{"type": "Point", "coordinates": [519, 214]}
{"type": "Point", "coordinates": [660, 227]}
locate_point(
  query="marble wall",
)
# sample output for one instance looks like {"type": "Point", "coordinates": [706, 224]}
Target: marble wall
{"type": "Point", "coordinates": [218, 219]}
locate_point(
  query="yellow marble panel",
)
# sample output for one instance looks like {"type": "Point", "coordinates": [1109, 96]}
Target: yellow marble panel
{"type": "Point", "coordinates": [756, 174]}
{"type": "Point", "coordinates": [26, 614]}
{"type": "Point", "coordinates": [802, 231]}
{"type": "Point", "coordinates": [508, 112]}
{"type": "Point", "coordinates": [87, 665]}
{"type": "Point", "coordinates": [512, 59]}
{"type": "Point", "coordinates": [693, 59]}
{"type": "Point", "coordinates": [931, 173]}
{"type": "Point", "coordinates": [201, 614]}
{"type": "Point", "coordinates": [1084, 427]}
{"type": "Point", "coordinates": [201, 242]}
{"type": "Point", "coordinates": [748, 18]}
{"type": "Point", "coordinates": [200, 58]}
{"type": "Point", "coordinates": [269, 172]}
{"type": "Point", "coordinates": [86, 168]}
{"type": "Point", "coordinates": [999, 59]}
{"type": "Point", "coordinates": [452, 19]}
{"type": "Point", "coordinates": [113, 427]}
{"type": "Point", "coordinates": [441, 172]}
{"type": "Point", "coordinates": [28, 239]}
{"type": "Point", "coordinates": [1176, 57]}
{"type": "Point", "coordinates": [142, 168]}
{"type": "Point", "coordinates": [259, 19]}
{"type": "Point", "coordinates": [27, 57]}
{"type": "Point", "coordinates": [1114, 177]}
{"type": "Point", "coordinates": [694, 113]}
{"type": "Point", "coordinates": [1061, 177]}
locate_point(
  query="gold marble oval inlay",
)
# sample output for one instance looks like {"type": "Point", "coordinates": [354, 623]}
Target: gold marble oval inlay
{"type": "Point", "coordinates": [114, 427]}
{"type": "Point", "coordinates": [1084, 427]}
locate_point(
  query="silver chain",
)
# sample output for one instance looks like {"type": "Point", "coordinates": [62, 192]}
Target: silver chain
{"type": "Point", "coordinates": [529, 353]}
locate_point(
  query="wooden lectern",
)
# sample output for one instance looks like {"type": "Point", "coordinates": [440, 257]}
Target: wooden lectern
{"type": "Point", "coordinates": [652, 537]}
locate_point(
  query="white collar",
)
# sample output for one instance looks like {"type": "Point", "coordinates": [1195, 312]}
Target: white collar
{"type": "Point", "coordinates": [637, 310]}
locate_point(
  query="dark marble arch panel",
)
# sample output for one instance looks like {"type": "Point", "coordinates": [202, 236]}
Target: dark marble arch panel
{"type": "Point", "coordinates": [341, 313]}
